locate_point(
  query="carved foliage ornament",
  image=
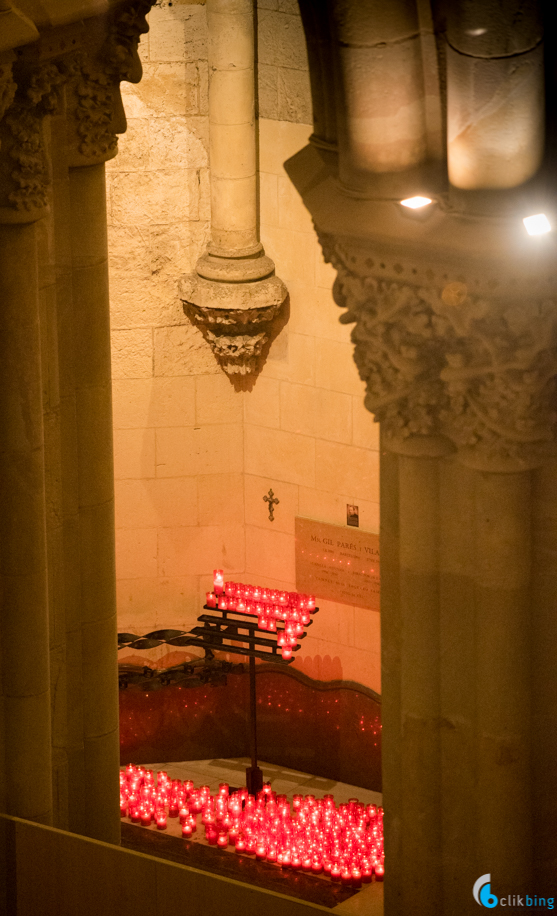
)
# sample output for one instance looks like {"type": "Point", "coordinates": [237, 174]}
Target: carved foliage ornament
{"type": "Point", "coordinates": [37, 95]}
{"type": "Point", "coordinates": [237, 338]}
{"type": "Point", "coordinates": [91, 76]}
{"type": "Point", "coordinates": [444, 366]}
{"type": "Point", "coordinates": [99, 77]}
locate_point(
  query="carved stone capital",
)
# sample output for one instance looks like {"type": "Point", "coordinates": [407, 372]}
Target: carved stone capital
{"type": "Point", "coordinates": [235, 318]}
{"type": "Point", "coordinates": [32, 92]}
{"type": "Point", "coordinates": [7, 82]}
{"type": "Point", "coordinates": [77, 69]}
{"type": "Point", "coordinates": [454, 363]}
{"type": "Point", "coordinates": [95, 114]}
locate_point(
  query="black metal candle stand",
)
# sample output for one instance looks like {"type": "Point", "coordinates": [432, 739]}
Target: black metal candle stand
{"type": "Point", "coordinates": [223, 632]}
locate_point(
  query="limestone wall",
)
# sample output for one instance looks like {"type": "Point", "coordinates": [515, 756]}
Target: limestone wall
{"type": "Point", "coordinates": [194, 457]}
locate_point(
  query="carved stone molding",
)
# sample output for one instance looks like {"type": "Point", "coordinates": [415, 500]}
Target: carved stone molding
{"type": "Point", "coordinates": [7, 84]}
{"type": "Point", "coordinates": [94, 106]}
{"type": "Point", "coordinates": [77, 68]}
{"type": "Point", "coordinates": [450, 369]}
{"type": "Point", "coordinates": [24, 175]}
{"type": "Point", "coordinates": [235, 318]}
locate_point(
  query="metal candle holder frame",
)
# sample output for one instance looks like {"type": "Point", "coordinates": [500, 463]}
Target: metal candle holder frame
{"type": "Point", "coordinates": [211, 636]}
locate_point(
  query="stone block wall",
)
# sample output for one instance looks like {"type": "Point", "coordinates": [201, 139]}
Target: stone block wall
{"type": "Point", "coordinates": [307, 433]}
{"type": "Point", "coordinates": [194, 457]}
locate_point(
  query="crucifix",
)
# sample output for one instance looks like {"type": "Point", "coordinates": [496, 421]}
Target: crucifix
{"type": "Point", "coordinates": [272, 503]}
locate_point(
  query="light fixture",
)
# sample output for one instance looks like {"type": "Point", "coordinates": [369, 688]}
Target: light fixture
{"type": "Point", "coordinates": [415, 203]}
{"type": "Point", "coordinates": [537, 224]}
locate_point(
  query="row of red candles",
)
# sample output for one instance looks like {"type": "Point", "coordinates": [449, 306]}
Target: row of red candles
{"type": "Point", "coordinates": [268, 605]}
{"type": "Point", "coordinates": [345, 841]}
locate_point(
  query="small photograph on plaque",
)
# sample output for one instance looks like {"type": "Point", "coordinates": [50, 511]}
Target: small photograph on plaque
{"type": "Point", "coordinates": [352, 516]}
{"type": "Point", "coordinates": [337, 563]}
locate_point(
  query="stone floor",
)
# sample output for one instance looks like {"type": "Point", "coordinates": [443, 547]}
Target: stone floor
{"type": "Point", "coordinates": [283, 780]}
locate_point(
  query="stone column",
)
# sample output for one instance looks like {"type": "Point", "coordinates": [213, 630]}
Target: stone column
{"type": "Point", "coordinates": [382, 103]}
{"type": "Point", "coordinates": [92, 140]}
{"type": "Point", "coordinates": [462, 377]}
{"type": "Point", "coordinates": [59, 722]}
{"type": "Point", "coordinates": [495, 93]}
{"type": "Point", "coordinates": [25, 742]}
{"type": "Point", "coordinates": [233, 295]}
{"type": "Point", "coordinates": [96, 499]}
{"type": "Point", "coordinates": [543, 640]}
{"type": "Point", "coordinates": [419, 682]}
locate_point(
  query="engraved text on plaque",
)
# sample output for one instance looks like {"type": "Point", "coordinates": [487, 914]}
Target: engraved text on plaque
{"type": "Point", "coordinates": [337, 563]}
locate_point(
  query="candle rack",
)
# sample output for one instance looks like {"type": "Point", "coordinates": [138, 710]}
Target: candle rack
{"type": "Point", "coordinates": [221, 631]}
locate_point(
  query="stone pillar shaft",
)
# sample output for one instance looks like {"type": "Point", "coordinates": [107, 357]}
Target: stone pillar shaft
{"type": "Point", "coordinates": [543, 630]}
{"type": "Point", "coordinates": [232, 125]}
{"type": "Point", "coordinates": [502, 638]}
{"type": "Point", "coordinates": [456, 611]}
{"type": "Point", "coordinates": [24, 632]}
{"type": "Point", "coordinates": [495, 94]}
{"type": "Point", "coordinates": [233, 296]}
{"type": "Point", "coordinates": [381, 110]}
{"type": "Point", "coordinates": [91, 320]}
{"type": "Point", "coordinates": [419, 686]}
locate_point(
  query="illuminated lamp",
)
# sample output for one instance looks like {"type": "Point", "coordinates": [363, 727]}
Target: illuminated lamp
{"type": "Point", "coordinates": [537, 224]}
{"type": "Point", "coordinates": [416, 203]}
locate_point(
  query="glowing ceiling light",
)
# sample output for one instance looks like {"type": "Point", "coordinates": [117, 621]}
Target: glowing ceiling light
{"type": "Point", "coordinates": [537, 225]}
{"type": "Point", "coordinates": [414, 203]}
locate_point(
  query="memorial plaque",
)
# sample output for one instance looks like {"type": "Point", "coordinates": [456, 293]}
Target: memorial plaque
{"type": "Point", "coordinates": [337, 563]}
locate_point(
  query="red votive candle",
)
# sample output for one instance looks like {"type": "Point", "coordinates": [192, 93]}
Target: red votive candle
{"type": "Point", "coordinates": [161, 820]}
{"type": "Point", "coordinates": [261, 851]}
{"type": "Point", "coordinates": [346, 877]}
{"type": "Point", "coordinates": [187, 830]}
{"type": "Point", "coordinates": [230, 588]}
{"type": "Point", "coordinates": [211, 834]}
{"type": "Point", "coordinates": [379, 872]}
{"type": "Point", "coordinates": [208, 817]}
{"type": "Point", "coordinates": [367, 871]}
{"type": "Point", "coordinates": [223, 604]}
{"type": "Point", "coordinates": [286, 652]}
{"type": "Point", "coordinates": [218, 581]}
{"type": "Point", "coordinates": [211, 599]}
{"type": "Point", "coordinates": [145, 818]}
{"type": "Point", "coordinates": [336, 871]}
{"type": "Point", "coordinates": [250, 845]}
{"type": "Point", "coordinates": [356, 876]}
{"type": "Point", "coordinates": [222, 839]}
{"type": "Point", "coordinates": [240, 843]}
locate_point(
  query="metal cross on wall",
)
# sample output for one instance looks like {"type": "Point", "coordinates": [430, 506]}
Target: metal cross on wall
{"type": "Point", "coordinates": [272, 503]}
